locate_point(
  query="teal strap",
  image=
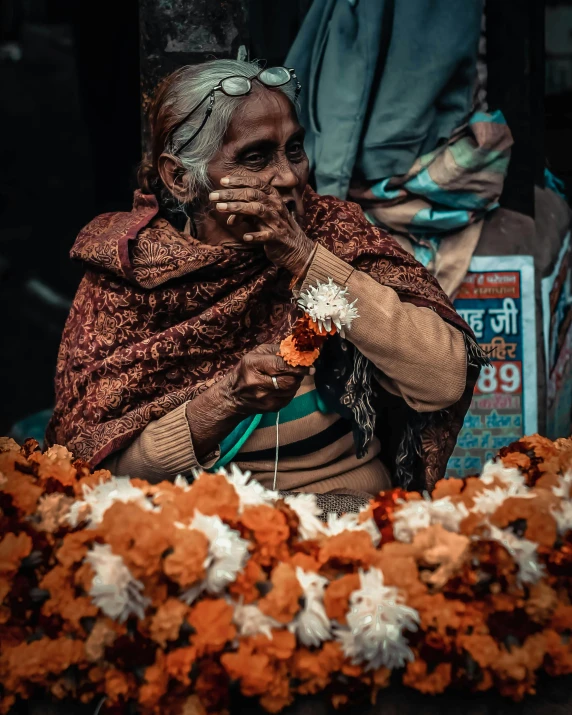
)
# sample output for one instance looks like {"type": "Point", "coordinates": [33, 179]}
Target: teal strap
{"type": "Point", "coordinates": [232, 444]}
{"type": "Point", "coordinates": [299, 407]}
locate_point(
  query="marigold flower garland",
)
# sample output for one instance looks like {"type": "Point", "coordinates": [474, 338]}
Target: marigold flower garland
{"type": "Point", "coordinates": [162, 596]}
{"type": "Point", "coordinates": [326, 311]}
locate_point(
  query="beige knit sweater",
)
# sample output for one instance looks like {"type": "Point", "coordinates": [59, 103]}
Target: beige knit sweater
{"type": "Point", "coordinates": [422, 358]}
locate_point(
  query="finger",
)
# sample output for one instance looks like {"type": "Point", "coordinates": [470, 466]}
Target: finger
{"type": "Point", "coordinates": [255, 182]}
{"type": "Point", "coordinates": [259, 236]}
{"type": "Point", "coordinates": [244, 194]}
{"type": "Point", "coordinates": [272, 211]}
{"type": "Point", "coordinates": [286, 383]}
{"type": "Point", "coordinates": [267, 349]}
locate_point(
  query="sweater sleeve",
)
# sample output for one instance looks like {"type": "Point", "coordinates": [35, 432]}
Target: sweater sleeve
{"type": "Point", "coordinates": [161, 452]}
{"type": "Point", "coordinates": [421, 357]}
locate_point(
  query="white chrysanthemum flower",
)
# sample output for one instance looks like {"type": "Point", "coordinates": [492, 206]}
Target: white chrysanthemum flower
{"type": "Point", "coordinates": [311, 625]}
{"type": "Point", "coordinates": [308, 511]}
{"type": "Point", "coordinates": [376, 621]}
{"type": "Point", "coordinates": [250, 620]}
{"type": "Point", "coordinates": [413, 516]}
{"type": "Point", "coordinates": [488, 501]}
{"type": "Point", "coordinates": [564, 488]}
{"type": "Point", "coordinates": [511, 477]}
{"type": "Point", "coordinates": [349, 522]}
{"type": "Point", "coordinates": [327, 304]}
{"type": "Point", "coordinates": [250, 492]}
{"type": "Point", "coordinates": [563, 517]}
{"type": "Point", "coordinates": [523, 551]}
{"type": "Point", "coordinates": [113, 589]}
{"type": "Point", "coordinates": [182, 483]}
{"type": "Point", "coordinates": [227, 555]}
{"type": "Point", "coordinates": [104, 495]}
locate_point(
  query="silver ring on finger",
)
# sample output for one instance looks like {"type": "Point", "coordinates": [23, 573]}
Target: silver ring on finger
{"type": "Point", "coordinates": [275, 382]}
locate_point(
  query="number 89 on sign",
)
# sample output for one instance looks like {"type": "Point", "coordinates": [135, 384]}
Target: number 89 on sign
{"type": "Point", "coordinates": [500, 377]}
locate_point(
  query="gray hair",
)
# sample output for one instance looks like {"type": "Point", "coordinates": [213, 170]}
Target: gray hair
{"type": "Point", "coordinates": [176, 97]}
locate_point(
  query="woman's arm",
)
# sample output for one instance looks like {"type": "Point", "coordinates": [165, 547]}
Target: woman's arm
{"type": "Point", "coordinates": [422, 358]}
{"type": "Point", "coordinates": [188, 437]}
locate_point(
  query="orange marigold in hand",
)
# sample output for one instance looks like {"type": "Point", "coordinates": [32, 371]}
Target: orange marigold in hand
{"type": "Point", "coordinates": [212, 621]}
{"type": "Point", "coordinates": [416, 676]}
{"type": "Point", "coordinates": [337, 596]}
{"type": "Point", "coordinates": [179, 663]}
{"type": "Point", "coordinates": [293, 356]}
{"type": "Point", "coordinates": [282, 603]}
{"type": "Point", "coordinates": [186, 563]}
{"type": "Point", "coordinates": [167, 620]}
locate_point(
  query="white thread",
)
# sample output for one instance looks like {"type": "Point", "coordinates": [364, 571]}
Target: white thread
{"type": "Point", "coordinates": [277, 448]}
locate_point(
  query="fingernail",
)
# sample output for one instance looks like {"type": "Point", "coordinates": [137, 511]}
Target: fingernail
{"type": "Point", "coordinates": [225, 180]}
{"type": "Point", "coordinates": [214, 196]}
{"type": "Point", "coordinates": [231, 219]}
{"type": "Point", "coordinates": [312, 371]}
{"type": "Point", "coordinates": [247, 237]}
{"type": "Point", "coordinates": [222, 207]}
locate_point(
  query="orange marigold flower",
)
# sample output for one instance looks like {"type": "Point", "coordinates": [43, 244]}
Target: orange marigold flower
{"type": "Point", "coordinates": [541, 603]}
{"type": "Point", "coordinates": [516, 459]}
{"type": "Point", "coordinates": [482, 648]}
{"type": "Point", "coordinates": [55, 464]}
{"type": "Point", "coordinates": [91, 480]}
{"type": "Point", "coordinates": [254, 670]}
{"type": "Point", "coordinates": [562, 618]}
{"type": "Point", "coordinates": [156, 682]}
{"type": "Point", "coordinates": [179, 662]}
{"type": "Point", "coordinates": [212, 621]}
{"type": "Point", "coordinates": [282, 603]}
{"type": "Point", "coordinates": [559, 651]}
{"type": "Point", "coordinates": [74, 547]}
{"type": "Point", "coordinates": [35, 661]}
{"type": "Point", "coordinates": [167, 620]}
{"type": "Point", "coordinates": [270, 531]}
{"type": "Point", "coordinates": [280, 646]}
{"type": "Point", "coordinates": [119, 685]}
{"type": "Point", "coordinates": [293, 356]}
{"type": "Point", "coordinates": [186, 563]}
{"type": "Point", "coordinates": [399, 567]}
{"type": "Point", "coordinates": [244, 587]}
{"type": "Point", "coordinates": [349, 547]}
{"type": "Point", "coordinates": [337, 596]}
{"type": "Point", "coordinates": [22, 488]}
{"type": "Point", "coordinates": [416, 676]}
{"type": "Point", "coordinates": [52, 512]}
{"type": "Point", "coordinates": [447, 488]}
{"type": "Point", "coordinates": [304, 561]}
{"type": "Point", "coordinates": [103, 634]}
{"type": "Point", "coordinates": [315, 668]}
{"type": "Point", "coordinates": [540, 524]}
{"type": "Point", "coordinates": [12, 550]}
{"type": "Point", "coordinates": [212, 495]}
{"type": "Point", "coordinates": [139, 537]}
{"type": "Point", "coordinates": [279, 694]}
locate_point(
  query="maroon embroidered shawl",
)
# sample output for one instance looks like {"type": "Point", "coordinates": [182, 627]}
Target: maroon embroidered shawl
{"type": "Point", "coordinates": [160, 317]}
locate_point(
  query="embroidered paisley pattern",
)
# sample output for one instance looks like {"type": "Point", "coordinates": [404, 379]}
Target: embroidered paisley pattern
{"type": "Point", "coordinates": [160, 317]}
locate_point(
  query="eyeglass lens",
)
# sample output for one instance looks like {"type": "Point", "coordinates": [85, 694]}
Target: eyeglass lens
{"type": "Point", "coordinates": [274, 76]}
{"type": "Point", "coordinates": [235, 86]}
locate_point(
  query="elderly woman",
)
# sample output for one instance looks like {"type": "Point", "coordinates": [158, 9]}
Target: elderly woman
{"type": "Point", "coordinates": [168, 361]}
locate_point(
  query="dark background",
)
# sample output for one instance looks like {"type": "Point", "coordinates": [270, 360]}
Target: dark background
{"type": "Point", "coordinates": [70, 140]}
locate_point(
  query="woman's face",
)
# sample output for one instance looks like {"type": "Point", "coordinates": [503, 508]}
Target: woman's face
{"type": "Point", "coordinates": [264, 139]}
